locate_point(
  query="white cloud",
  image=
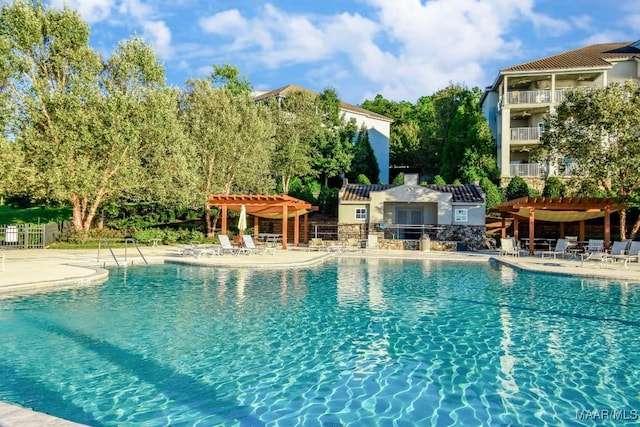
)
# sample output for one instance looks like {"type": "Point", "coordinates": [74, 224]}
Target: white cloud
{"type": "Point", "coordinates": [136, 9]}
{"type": "Point", "coordinates": [158, 35]}
{"type": "Point", "coordinates": [90, 10]}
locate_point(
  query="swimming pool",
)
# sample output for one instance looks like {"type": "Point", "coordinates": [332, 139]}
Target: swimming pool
{"type": "Point", "coordinates": [350, 342]}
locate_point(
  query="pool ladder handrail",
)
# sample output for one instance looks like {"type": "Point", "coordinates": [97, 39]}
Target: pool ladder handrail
{"type": "Point", "coordinates": [126, 241]}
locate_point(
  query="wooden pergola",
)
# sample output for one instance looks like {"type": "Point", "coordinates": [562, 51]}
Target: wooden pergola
{"type": "Point", "coordinates": [266, 206]}
{"type": "Point", "coordinates": [560, 210]}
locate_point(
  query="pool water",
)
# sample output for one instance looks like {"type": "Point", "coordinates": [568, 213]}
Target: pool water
{"type": "Point", "coordinates": [350, 342]}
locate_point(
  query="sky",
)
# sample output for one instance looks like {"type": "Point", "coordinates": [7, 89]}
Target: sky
{"type": "Point", "coordinates": [400, 49]}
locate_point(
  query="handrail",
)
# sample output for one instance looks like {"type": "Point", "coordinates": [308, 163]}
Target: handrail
{"type": "Point", "coordinates": [129, 239]}
{"type": "Point", "coordinates": [110, 250]}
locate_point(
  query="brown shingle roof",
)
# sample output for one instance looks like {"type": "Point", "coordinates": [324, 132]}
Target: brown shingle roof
{"type": "Point", "coordinates": [284, 90]}
{"type": "Point", "coordinates": [593, 56]}
{"type": "Point", "coordinates": [460, 193]}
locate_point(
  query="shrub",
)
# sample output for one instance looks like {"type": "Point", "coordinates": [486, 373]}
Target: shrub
{"type": "Point", "coordinates": [362, 179]}
{"type": "Point", "coordinates": [553, 187]}
{"type": "Point", "coordinates": [491, 190]}
{"type": "Point", "coordinates": [439, 180]}
{"type": "Point", "coordinates": [399, 179]}
{"type": "Point", "coordinates": [517, 188]}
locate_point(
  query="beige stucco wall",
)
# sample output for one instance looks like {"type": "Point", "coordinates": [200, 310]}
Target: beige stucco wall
{"type": "Point", "coordinates": [476, 214]}
{"type": "Point", "coordinates": [347, 212]}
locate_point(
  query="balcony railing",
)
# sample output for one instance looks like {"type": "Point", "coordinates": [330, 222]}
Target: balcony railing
{"type": "Point", "coordinates": [529, 97]}
{"type": "Point", "coordinates": [541, 169]}
{"type": "Point", "coordinates": [527, 169]}
{"type": "Point", "coordinates": [525, 134]}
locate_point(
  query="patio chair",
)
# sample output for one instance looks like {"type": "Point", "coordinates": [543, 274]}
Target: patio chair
{"type": "Point", "coordinates": [250, 247]}
{"type": "Point", "coordinates": [594, 245]}
{"type": "Point", "coordinates": [353, 245]}
{"type": "Point", "coordinates": [372, 242]}
{"type": "Point", "coordinates": [561, 249]}
{"type": "Point", "coordinates": [508, 246]}
{"type": "Point", "coordinates": [316, 244]}
{"type": "Point", "coordinates": [631, 255]}
{"type": "Point", "coordinates": [226, 246]}
{"type": "Point", "coordinates": [2, 254]}
{"type": "Point", "coordinates": [209, 250]}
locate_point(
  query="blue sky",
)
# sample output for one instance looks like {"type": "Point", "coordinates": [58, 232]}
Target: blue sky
{"type": "Point", "coordinates": [402, 49]}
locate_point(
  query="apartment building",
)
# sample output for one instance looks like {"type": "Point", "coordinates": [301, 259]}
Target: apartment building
{"type": "Point", "coordinates": [516, 104]}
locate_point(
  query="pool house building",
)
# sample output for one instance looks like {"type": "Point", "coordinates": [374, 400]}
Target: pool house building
{"type": "Point", "coordinates": [414, 216]}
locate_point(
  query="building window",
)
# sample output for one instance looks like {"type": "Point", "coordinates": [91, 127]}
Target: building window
{"type": "Point", "coordinates": [361, 213]}
{"type": "Point", "coordinates": [461, 215]}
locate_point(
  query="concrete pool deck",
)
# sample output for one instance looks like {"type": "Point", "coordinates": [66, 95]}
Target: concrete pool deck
{"type": "Point", "coordinates": [41, 270]}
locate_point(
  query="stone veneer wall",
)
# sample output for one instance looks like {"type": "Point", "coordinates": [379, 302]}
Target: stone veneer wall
{"type": "Point", "coordinates": [444, 239]}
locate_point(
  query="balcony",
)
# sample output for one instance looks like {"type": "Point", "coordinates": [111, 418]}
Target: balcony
{"type": "Point", "coordinates": [541, 169]}
{"type": "Point", "coordinates": [527, 169]}
{"type": "Point", "coordinates": [528, 134]}
{"type": "Point", "coordinates": [528, 97]}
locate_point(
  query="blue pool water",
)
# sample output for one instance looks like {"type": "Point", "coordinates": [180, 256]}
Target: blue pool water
{"type": "Point", "coordinates": [350, 342]}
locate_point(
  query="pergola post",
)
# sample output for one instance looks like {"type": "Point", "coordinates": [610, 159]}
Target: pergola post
{"type": "Point", "coordinates": [256, 224]}
{"type": "Point", "coordinates": [581, 235]}
{"type": "Point", "coordinates": [285, 217]}
{"type": "Point", "coordinates": [562, 230]}
{"type": "Point", "coordinates": [532, 233]}
{"type": "Point", "coordinates": [223, 228]}
{"type": "Point", "coordinates": [607, 228]}
{"type": "Point", "coordinates": [296, 228]}
{"type": "Point", "coordinates": [516, 228]}
{"type": "Point", "coordinates": [503, 229]}
{"type": "Point", "coordinates": [305, 228]}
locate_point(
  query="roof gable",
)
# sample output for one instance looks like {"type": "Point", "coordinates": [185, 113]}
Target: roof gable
{"type": "Point", "coordinates": [285, 90]}
{"type": "Point", "coordinates": [592, 56]}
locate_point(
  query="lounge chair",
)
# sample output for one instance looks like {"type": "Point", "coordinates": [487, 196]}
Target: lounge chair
{"type": "Point", "coordinates": [561, 248]}
{"type": "Point", "coordinates": [353, 245]}
{"type": "Point", "coordinates": [509, 247]}
{"type": "Point", "coordinates": [208, 250]}
{"type": "Point", "coordinates": [2, 254]}
{"type": "Point", "coordinates": [594, 245]}
{"type": "Point", "coordinates": [250, 247]}
{"type": "Point", "coordinates": [633, 254]}
{"type": "Point", "coordinates": [317, 244]}
{"type": "Point", "coordinates": [226, 246]}
{"type": "Point", "coordinates": [372, 242]}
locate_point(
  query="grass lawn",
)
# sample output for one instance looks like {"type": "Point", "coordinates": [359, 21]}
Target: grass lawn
{"type": "Point", "coordinates": [35, 215]}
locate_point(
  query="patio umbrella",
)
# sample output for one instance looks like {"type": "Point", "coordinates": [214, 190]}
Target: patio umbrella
{"type": "Point", "coordinates": [242, 221]}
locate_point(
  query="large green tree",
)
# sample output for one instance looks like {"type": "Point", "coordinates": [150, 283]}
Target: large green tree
{"type": "Point", "coordinates": [468, 148]}
{"type": "Point", "coordinates": [232, 139]}
{"type": "Point", "coordinates": [364, 160]}
{"type": "Point", "coordinates": [598, 128]}
{"type": "Point", "coordinates": [334, 140]}
{"type": "Point", "coordinates": [297, 127]}
{"type": "Point", "coordinates": [90, 129]}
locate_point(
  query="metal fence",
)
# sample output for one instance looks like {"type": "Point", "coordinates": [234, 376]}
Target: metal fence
{"type": "Point", "coordinates": [29, 236]}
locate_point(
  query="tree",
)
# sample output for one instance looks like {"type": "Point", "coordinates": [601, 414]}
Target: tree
{"type": "Point", "coordinates": [50, 74]}
{"type": "Point", "coordinates": [228, 76]}
{"type": "Point", "coordinates": [468, 140]}
{"type": "Point", "coordinates": [364, 159]}
{"type": "Point", "coordinates": [598, 129]}
{"type": "Point", "coordinates": [297, 127]}
{"type": "Point", "coordinates": [334, 141]}
{"type": "Point", "coordinates": [232, 139]}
